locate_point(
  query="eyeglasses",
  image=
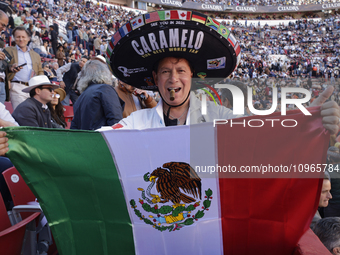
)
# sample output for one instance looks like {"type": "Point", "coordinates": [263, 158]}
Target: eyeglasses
{"type": "Point", "coordinates": [56, 95]}
{"type": "Point", "coordinates": [49, 88]}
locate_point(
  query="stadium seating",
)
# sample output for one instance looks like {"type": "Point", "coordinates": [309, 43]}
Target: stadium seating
{"type": "Point", "coordinates": [68, 114]}
{"type": "Point", "coordinates": [12, 237]}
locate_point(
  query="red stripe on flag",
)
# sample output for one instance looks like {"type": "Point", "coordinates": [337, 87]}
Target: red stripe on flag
{"type": "Point", "coordinates": [216, 22]}
{"type": "Point", "coordinates": [262, 215]}
{"type": "Point", "coordinates": [116, 38]}
{"type": "Point", "coordinates": [117, 126]}
{"type": "Point", "coordinates": [174, 15]}
{"type": "Point", "coordinates": [237, 49]}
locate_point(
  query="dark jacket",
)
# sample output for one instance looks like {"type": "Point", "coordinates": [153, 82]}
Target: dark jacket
{"type": "Point", "coordinates": [30, 113]}
{"type": "Point", "coordinates": [70, 77]}
{"type": "Point", "coordinates": [99, 105]}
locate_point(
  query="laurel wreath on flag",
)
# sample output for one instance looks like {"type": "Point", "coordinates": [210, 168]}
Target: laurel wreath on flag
{"type": "Point", "coordinates": [166, 210]}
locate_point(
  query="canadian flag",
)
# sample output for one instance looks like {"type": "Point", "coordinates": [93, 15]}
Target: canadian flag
{"type": "Point", "coordinates": [184, 15]}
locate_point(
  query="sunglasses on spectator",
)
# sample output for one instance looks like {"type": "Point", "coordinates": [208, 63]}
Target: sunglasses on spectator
{"type": "Point", "coordinates": [49, 88]}
{"type": "Point", "coordinates": [56, 95]}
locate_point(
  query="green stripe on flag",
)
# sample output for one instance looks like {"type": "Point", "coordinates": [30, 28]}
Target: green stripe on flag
{"type": "Point", "coordinates": [161, 15]}
{"type": "Point", "coordinates": [83, 200]}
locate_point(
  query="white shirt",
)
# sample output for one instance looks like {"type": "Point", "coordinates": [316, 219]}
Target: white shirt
{"type": "Point", "coordinates": [6, 116]}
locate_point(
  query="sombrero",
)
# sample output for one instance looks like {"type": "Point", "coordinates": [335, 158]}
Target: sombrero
{"type": "Point", "coordinates": [139, 44]}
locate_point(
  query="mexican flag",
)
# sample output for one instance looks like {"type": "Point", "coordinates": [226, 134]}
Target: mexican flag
{"type": "Point", "coordinates": [146, 191]}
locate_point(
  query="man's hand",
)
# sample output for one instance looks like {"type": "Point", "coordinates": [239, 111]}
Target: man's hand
{"type": "Point", "coordinates": [62, 84]}
{"type": "Point", "coordinates": [15, 68]}
{"type": "Point", "coordinates": [3, 143]}
{"type": "Point", "coordinates": [138, 92]}
{"type": "Point", "coordinates": [2, 55]}
{"type": "Point", "coordinates": [330, 111]}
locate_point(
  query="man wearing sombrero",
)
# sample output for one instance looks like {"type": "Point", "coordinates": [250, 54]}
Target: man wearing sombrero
{"type": "Point", "coordinates": [168, 51]}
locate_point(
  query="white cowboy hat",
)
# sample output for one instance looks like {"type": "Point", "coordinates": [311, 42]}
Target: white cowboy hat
{"type": "Point", "coordinates": [37, 81]}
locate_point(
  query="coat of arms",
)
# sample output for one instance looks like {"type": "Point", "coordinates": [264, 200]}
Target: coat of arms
{"type": "Point", "coordinates": [178, 199]}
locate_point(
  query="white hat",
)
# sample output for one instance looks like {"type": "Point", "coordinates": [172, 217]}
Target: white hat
{"type": "Point", "coordinates": [37, 81]}
{"type": "Point", "coordinates": [100, 58]}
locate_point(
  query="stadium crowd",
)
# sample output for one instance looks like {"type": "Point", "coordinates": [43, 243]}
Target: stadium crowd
{"type": "Point", "coordinates": [263, 2]}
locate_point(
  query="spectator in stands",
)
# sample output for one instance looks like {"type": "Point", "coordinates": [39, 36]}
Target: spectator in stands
{"type": "Point", "coordinates": [54, 67]}
{"type": "Point", "coordinates": [19, 76]}
{"type": "Point", "coordinates": [48, 72]}
{"type": "Point", "coordinates": [328, 231]}
{"type": "Point", "coordinates": [98, 104]}
{"type": "Point", "coordinates": [135, 99]}
{"type": "Point", "coordinates": [54, 39]}
{"type": "Point", "coordinates": [3, 24]}
{"type": "Point", "coordinates": [44, 50]}
{"type": "Point", "coordinates": [333, 157]}
{"type": "Point", "coordinates": [324, 197]}
{"type": "Point", "coordinates": [96, 43]}
{"type": "Point", "coordinates": [57, 109]}
{"type": "Point", "coordinates": [61, 55]}
{"type": "Point", "coordinates": [67, 76]}
{"type": "Point", "coordinates": [34, 110]}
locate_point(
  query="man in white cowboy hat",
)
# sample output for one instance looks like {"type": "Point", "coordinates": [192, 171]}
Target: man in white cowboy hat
{"type": "Point", "coordinates": [34, 110]}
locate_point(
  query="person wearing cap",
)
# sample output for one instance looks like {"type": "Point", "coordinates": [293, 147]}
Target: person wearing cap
{"type": "Point", "coordinates": [34, 111]}
{"type": "Point", "coordinates": [17, 77]}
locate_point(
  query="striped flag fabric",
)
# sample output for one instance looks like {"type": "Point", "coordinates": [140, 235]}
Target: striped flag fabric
{"type": "Point", "coordinates": [116, 37]}
{"type": "Point", "coordinates": [124, 30]}
{"type": "Point", "coordinates": [174, 15]}
{"type": "Point", "coordinates": [108, 193]}
{"type": "Point", "coordinates": [237, 49]}
{"type": "Point", "coordinates": [108, 55]}
{"type": "Point", "coordinates": [164, 15]}
{"type": "Point", "coordinates": [232, 39]}
{"type": "Point", "coordinates": [198, 17]}
{"type": "Point", "coordinates": [137, 22]}
{"type": "Point", "coordinates": [212, 23]}
{"type": "Point", "coordinates": [110, 47]}
{"type": "Point", "coordinates": [151, 17]}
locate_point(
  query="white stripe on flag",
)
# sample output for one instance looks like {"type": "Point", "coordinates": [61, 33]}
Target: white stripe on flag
{"type": "Point", "coordinates": [204, 236]}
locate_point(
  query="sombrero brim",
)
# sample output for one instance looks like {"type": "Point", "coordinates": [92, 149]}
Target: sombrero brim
{"type": "Point", "coordinates": [139, 44]}
{"type": "Point", "coordinates": [29, 88]}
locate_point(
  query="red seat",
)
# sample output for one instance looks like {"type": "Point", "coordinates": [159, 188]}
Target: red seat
{"type": "Point", "coordinates": [12, 237]}
{"type": "Point", "coordinates": [21, 193]}
{"type": "Point", "coordinates": [9, 107]}
{"type": "Point", "coordinates": [68, 114]}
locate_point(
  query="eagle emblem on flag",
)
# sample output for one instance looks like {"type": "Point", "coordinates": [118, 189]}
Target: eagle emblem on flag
{"type": "Point", "coordinates": [179, 196]}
